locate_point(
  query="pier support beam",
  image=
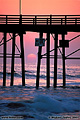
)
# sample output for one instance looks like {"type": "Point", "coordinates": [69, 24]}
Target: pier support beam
{"type": "Point", "coordinates": [39, 62]}
{"type": "Point", "coordinates": [55, 59]}
{"type": "Point", "coordinates": [22, 59]}
{"type": "Point", "coordinates": [12, 64]}
{"type": "Point", "coordinates": [48, 60]}
{"type": "Point", "coordinates": [63, 49]}
{"type": "Point", "coordinates": [4, 61]}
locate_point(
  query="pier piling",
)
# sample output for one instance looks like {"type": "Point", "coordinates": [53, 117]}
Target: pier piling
{"type": "Point", "coordinates": [39, 62]}
{"type": "Point", "coordinates": [12, 64]}
{"type": "Point", "coordinates": [63, 57]}
{"type": "Point", "coordinates": [48, 60]}
{"type": "Point", "coordinates": [55, 59]}
{"type": "Point", "coordinates": [22, 59]}
{"type": "Point", "coordinates": [4, 61]}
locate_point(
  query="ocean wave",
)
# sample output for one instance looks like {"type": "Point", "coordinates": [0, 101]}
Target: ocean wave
{"type": "Point", "coordinates": [15, 74]}
{"type": "Point", "coordinates": [30, 102]}
{"type": "Point", "coordinates": [28, 76]}
{"type": "Point", "coordinates": [1, 73]}
{"type": "Point", "coordinates": [72, 76]}
{"type": "Point", "coordinates": [28, 71]}
{"type": "Point", "coordinates": [56, 105]}
{"type": "Point", "coordinates": [45, 103]}
{"type": "Point", "coordinates": [32, 74]}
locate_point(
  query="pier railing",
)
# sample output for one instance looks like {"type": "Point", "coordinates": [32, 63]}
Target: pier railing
{"type": "Point", "coordinates": [40, 19]}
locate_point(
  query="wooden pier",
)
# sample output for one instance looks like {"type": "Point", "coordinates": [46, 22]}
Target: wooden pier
{"type": "Point", "coordinates": [49, 24]}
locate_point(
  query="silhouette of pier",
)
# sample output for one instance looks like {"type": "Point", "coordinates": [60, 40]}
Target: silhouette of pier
{"type": "Point", "coordinates": [49, 24]}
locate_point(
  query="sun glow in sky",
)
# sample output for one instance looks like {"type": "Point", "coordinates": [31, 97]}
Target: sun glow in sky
{"type": "Point", "coordinates": [31, 58]}
{"type": "Point", "coordinates": [34, 7]}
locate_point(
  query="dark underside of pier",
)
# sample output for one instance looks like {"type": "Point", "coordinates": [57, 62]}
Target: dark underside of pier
{"type": "Point", "coordinates": [16, 28]}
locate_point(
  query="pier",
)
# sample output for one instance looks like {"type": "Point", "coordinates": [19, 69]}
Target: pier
{"type": "Point", "coordinates": [18, 25]}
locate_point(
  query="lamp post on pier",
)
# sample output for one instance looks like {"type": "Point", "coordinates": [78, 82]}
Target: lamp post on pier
{"type": "Point", "coordinates": [20, 7]}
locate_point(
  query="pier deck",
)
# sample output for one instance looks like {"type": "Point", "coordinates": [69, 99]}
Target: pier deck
{"type": "Point", "coordinates": [40, 23]}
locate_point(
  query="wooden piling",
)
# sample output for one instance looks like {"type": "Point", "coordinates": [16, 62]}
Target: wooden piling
{"type": "Point", "coordinates": [12, 64]}
{"type": "Point", "coordinates": [48, 60]}
{"type": "Point", "coordinates": [4, 61]}
{"type": "Point", "coordinates": [63, 49]}
{"type": "Point", "coordinates": [55, 60]}
{"type": "Point", "coordinates": [39, 62]}
{"type": "Point", "coordinates": [22, 59]}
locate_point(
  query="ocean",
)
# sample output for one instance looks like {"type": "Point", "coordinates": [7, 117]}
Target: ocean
{"type": "Point", "coordinates": [28, 103]}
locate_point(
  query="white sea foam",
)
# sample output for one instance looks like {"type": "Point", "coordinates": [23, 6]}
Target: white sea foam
{"type": "Point", "coordinates": [46, 103]}
{"type": "Point", "coordinates": [38, 104]}
{"type": "Point", "coordinates": [42, 103]}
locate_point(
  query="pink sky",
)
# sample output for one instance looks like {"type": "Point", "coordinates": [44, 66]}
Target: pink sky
{"type": "Point", "coordinates": [40, 7]}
